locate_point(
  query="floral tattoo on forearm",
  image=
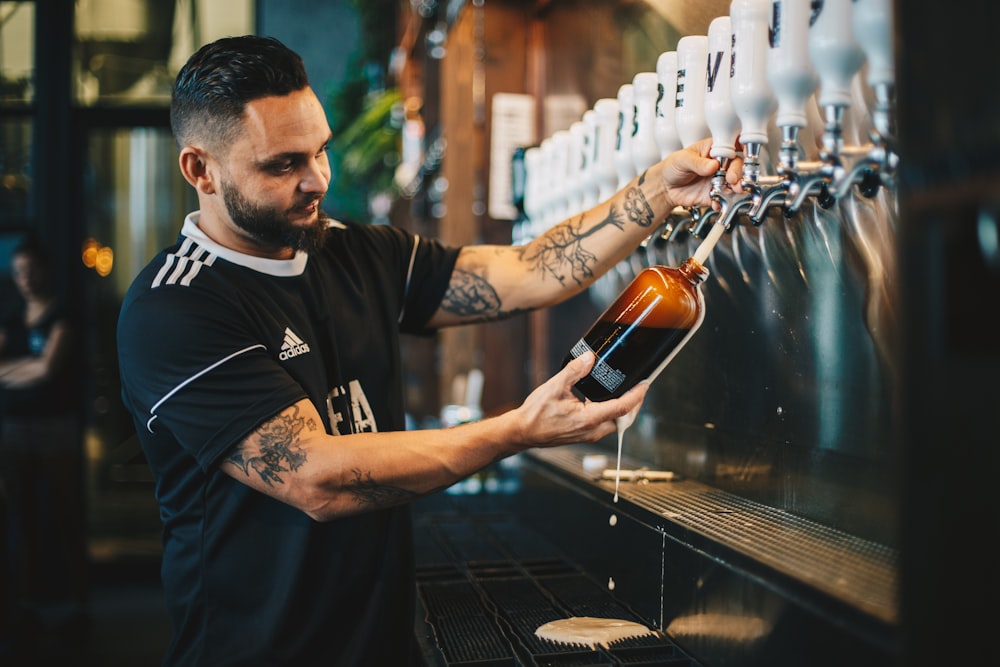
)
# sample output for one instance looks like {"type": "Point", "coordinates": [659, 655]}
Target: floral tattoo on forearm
{"type": "Point", "coordinates": [278, 448]}
{"type": "Point", "coordinates": [471, 295]}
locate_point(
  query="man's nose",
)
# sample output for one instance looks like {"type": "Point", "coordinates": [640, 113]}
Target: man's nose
{"type": "Point", "coordinates": [317, 176]}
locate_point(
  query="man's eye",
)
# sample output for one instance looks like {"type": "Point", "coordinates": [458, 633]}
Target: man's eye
{"type": "Point", "coordinates": [281, 167]}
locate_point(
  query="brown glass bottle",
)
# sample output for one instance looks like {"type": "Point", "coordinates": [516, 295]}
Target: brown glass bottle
{"type": "Point", "coordinates": [639, 334]}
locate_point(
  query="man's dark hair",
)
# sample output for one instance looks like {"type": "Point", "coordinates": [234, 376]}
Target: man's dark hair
{"type": "Point", "coordinates": [218, 81]}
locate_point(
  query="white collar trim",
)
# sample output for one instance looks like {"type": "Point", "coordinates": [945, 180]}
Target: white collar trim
{"type": "Point", "coordinates": [274, 267]}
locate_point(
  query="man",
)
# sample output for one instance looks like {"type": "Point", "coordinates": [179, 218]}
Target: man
{"type": "Point", "coordinates": [260, 361]}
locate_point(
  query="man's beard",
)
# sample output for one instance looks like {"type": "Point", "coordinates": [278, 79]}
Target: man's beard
{"type": "Point", "coordinates": [270, 227]}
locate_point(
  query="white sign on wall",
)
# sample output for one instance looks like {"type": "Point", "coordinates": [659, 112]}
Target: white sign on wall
{"type": "Point", "coordinates": [513, 118]}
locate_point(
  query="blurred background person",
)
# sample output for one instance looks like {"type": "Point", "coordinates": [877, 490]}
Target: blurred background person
{"type": "Point", "coordinates": [41, 463]}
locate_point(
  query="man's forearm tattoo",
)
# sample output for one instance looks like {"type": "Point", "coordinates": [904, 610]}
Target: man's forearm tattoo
{"type": "Point", "coordinates": [471, 295]}
{"type": "Point", "coordinates": [278, 448]}
{"type": "Point", "coordinates": [561, 254]}
{"type": "Point", "coordinates": [637, 208]}
{"type": "Point", "coordinates": [371, 494]}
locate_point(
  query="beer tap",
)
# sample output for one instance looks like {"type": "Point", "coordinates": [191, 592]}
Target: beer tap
{"type": "Point", "coordinates": [544, 189]}
{"type": "Point", "coordinates": [793, 80]}
{"type": "Point", "coordinates": [606, 137]}
{"type": "Point", "coordinates": [753, 99]}
{"type": "Point", "coordinates": [589, 191]}
{"type": "Point", "coordinates": [539, 172]}
{"type": "Point", "coordinates": [837, 57]}
{"type": "Point", "coordinates": [751, 104]}
{"type": "Point", "coordinates": [605, 175]}
{"type": "Point", "coordinates": [701, 220]}
{"type": "Point", "coordinates": [689, 111]}
{"type": "Point", "coordinates": [645, 151]}
{"type": "Point", "coordinates": [689, 103]}
{"type": "Point", "coordinates": [558, 165]}
{"type": "Point", "coordinates": [532, 193]}
{"type": "Point", "coordinates": [626, 128]}
{"type": "Point", "coordinates": [624, 157]}
{"type": "Point", "coordinates": [873, 28]}
{"type": "Point", "coordinates": [665, 129]}
{"type": "Point", "coordinates": [720, 116]}
{"type": "Point", "coordinates": [575, 167]}
{"type": "Point", "coordinates": [665, 132]}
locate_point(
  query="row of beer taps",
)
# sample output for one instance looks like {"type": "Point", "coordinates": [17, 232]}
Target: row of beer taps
{"type": "Point", "coordinates": [765, 65]}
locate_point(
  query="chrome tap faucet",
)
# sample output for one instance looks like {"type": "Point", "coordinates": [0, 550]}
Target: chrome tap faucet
{"type": "Point", "coordinates": [791, 76]}
{"type": "Point", "coordinates": [876, 163]}
{"type": "Point", "coordinates": [753, 102]}
{"type": "Point", "coordinates": [838, 56]}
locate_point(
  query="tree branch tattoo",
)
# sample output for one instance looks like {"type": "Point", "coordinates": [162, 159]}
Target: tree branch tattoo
{"type": "Point", "coordinates": [561, 254]}
{"type": "Point", "coordinates": [370, 493]}
{"type": "Point", "coordinates": [278, 449]}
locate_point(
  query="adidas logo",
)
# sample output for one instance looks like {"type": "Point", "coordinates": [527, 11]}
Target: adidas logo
{"type": "Point", "coordinates": [293, 346]}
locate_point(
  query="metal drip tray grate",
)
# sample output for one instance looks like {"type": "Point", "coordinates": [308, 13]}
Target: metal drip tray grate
{"type": "Point", "coordinates": [859, 572]}
{"type": "Point", "coordinates": [484, 613]}
{"type": "Point", "coordinates": [466, 632]}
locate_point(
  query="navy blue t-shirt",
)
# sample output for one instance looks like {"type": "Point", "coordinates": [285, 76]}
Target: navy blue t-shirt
{"type": "Point", "coordinates": [211, 344]}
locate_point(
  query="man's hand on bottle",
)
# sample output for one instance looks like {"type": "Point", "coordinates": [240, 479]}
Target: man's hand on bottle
{"type": "Point", "coordinates": [553, 415]}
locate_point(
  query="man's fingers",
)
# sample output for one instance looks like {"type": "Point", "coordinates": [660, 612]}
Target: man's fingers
{"type": "Point", "coordinates": [579, 367]}
{"type": "Point", "coordinates": [626, 407]}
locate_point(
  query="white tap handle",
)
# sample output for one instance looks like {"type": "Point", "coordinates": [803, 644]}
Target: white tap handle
{"type": "Point", "coordinates": [645, 152]}
{"type": "Point", "coordinates": [834, 52]}
{"type": "Point", "coordinates": [665, 128]}
{"type": "Point", "coordinates": [689, 112]}
{"type": "Point", "coordinates": [532, 169]}
{"type": "Point", "coordinates": [560, 158]}
{"type": "Point", "coordinates": [752, 96]}
{"type": "Point", "coordinates": [543, 189]}
{"type": "Point", "coordinates": [719, 113]}
{"type": "Point", "coordinates": [606, 175]}
{"type": "Point", "coordinates": [789, 70]}
{"type": "Point", "coordinates": [588, 190]}
{"type": "Point", "coordinates": [873, 28]}
{"type": "Point", "coordinates": [626, 128]}
{"type": "Point", "coordinates": [546, 185]}
{"type": "Point", "coordinates": [575, 169]}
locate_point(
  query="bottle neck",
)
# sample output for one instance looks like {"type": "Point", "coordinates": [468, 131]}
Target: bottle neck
{"type": "Point", "coordinates": [693, 270]}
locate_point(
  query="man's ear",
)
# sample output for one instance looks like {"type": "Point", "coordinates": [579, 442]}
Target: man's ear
{"type": "Point", "coordinates": [193, 162]}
